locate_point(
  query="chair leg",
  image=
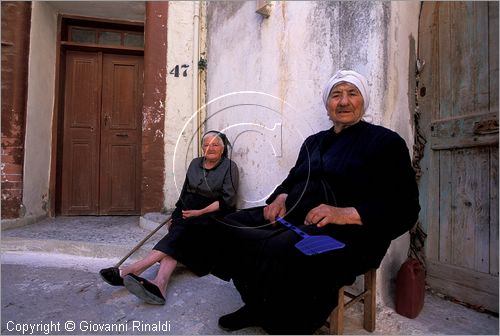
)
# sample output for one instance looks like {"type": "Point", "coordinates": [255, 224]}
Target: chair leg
{"type": "Point", "coordinates": [337, 316]}
{"type": "Point", "coordinates": [370, 304]}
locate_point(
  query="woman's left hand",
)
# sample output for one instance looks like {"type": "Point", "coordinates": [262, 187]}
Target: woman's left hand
{"type": "Point", "coordinates": [191, 213]}
{"type": "Point", "coordinates": [325, 214]}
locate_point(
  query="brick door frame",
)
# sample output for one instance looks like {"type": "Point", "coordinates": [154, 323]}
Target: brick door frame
{"type": "Point", "coordinates": [154, 102]}
{"type": "Point", "coordinates": [16, 24]}
{"type": "Point", "coordinates": [153, 114]}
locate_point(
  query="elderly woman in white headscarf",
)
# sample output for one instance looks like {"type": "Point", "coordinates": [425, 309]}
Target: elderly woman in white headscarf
{"type": "Point", "coordinates": [353, 182]}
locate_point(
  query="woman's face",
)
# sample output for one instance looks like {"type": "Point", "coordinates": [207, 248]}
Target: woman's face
{"type": "Point", "coordinates": [345, 105]}
{"type": "Point", "coordinates": [213, 147]}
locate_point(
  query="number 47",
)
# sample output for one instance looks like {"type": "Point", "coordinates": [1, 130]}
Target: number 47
{"type": "Point", "coordinates": [175, 70]}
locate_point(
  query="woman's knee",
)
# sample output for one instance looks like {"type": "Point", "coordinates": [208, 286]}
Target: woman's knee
{"type": "Point", "coordinates": [157, 255]}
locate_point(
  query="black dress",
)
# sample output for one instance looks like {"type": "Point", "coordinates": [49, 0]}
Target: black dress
{"type": "Point", "coordinates": [364, 166]}
{"type": "Point", "coordinates": [194, 241]}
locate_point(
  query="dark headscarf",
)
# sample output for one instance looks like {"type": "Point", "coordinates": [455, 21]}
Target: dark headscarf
{"type": "Point", "coordinates": [224, 139]}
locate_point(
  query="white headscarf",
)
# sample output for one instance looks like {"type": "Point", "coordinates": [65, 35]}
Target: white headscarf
{"type": "Point", "coordinates": [352, 77]}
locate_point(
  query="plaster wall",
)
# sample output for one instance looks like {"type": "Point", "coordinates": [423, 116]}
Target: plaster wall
{"type": "Point", "coordinates": [181, 118]}
{"type": "Point", "coordinates": [286, 58]}
{"type": "Point", "coordinates": [40, 104]}
{"type": "Point", "coordinates": [399, 107]}
{"type": "Point", "coordinates": [266, 76]}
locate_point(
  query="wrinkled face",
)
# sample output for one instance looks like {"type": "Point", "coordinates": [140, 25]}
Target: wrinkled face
{"type": "Point", "coordinates": [213, 147]}
{"type": "Point", "coordinates": [345, 105]}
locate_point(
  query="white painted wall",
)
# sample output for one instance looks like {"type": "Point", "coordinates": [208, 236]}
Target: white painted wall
{"type": "Point", "coordinates": [402, 39]}
{"type": "Point", "coordinates": [285, 60]}
{"type": "Point", "coordinates": [181, 118]}
{"type": "Point", "coordinates": [123, 10]}
{"type": "Point", "coordinates": [40, 105]}
{"type": "Point", "coordinates": [399, 106]}
{"type": "Point", "coordinates": [289, 57]}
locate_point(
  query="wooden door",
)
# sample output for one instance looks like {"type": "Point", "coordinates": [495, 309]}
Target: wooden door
{"type": "Point", "coordinates": [458, 100]}
{"type": "Point", "coordinates": [102, 134]}
{"type": "Point", "coordinates": [121, 134]}
{"type": "Point", "coordinates": [80, 172]}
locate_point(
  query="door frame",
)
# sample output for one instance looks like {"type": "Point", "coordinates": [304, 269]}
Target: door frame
{"type": "Point", "coordinates": [62, 46]}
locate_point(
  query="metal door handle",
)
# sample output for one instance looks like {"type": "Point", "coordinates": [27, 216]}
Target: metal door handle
{"type": "Point", "coordinates": [122, 135]}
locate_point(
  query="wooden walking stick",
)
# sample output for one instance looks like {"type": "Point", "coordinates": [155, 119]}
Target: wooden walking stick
{"type": "Point", "coordinates": [118, 264]}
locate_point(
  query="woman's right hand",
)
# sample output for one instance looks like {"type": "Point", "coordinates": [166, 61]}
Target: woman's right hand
{"type": "Point", "coordinates": [191, 213]}
{"type": "Point", "coordinates": [276, 208]}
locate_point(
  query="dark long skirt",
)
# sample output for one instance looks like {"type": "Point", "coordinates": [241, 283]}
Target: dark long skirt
{"type": "Point", "coordinates": [293, 293]}
{"type": "Point", "coordinates": [195, 242]}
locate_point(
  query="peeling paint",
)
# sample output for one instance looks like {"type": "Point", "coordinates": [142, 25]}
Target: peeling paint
{"type": "Point", "coordinates": [158, 134]}
{"type": "Point", "coordinates": [15, 33]}
{"type": "Point", "coordinates": [151, 116]}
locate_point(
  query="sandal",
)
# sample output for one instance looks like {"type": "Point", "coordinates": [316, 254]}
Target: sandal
{"type": "Point", "coordinates": [112, 276]}
{"type": "Point", "coordinates": [143, 289]}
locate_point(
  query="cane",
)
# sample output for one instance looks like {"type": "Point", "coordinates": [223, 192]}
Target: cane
{"type": "Point", "coordinates": [118, 264]}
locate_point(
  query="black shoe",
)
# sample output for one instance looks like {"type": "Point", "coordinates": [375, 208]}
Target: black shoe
{"type": "Point", "coordinates": [143, 289]}
{"type": "Point", "coordinates": [112, 276]}
{"type": "Point", "coordinates": [242, 318]}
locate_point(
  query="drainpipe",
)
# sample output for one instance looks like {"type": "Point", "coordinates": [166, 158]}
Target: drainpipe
{"type": "Point", "coordinates": [196, 81]}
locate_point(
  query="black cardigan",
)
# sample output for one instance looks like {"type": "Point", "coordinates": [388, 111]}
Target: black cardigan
{"type": "Point", "coordinates": [367, 167]}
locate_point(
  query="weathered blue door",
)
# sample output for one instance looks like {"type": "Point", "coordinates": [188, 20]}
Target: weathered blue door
{"type": "Point", "coordinates": [458, 100]}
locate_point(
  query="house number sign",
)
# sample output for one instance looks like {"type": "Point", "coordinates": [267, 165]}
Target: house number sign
{"type": "Point", "coordinates": [178, 69]}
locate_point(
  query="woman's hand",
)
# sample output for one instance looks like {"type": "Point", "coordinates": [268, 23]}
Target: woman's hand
{"type": "Point", "coordinates": [326, 214]}
{"type": "Point", "coordinates": [191, 213]}
{"type": "Point", "coordinates": [276, 208]}
{"type": "Point", "coordinates": [195, 213]}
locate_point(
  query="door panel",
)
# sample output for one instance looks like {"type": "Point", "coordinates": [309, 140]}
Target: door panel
{"type": "Point", "coordinates": [121, 134]}
{"type": "Point", "coordinates": [469, 203]}
{"type": "Point", "coordinates": [463, 54]}
{"type": "Point", "coordinates": [122, 183]}
{"type": "Point", "coordinates": [80, 172]}
{"type": "Point", "coordinates": [459, 108]}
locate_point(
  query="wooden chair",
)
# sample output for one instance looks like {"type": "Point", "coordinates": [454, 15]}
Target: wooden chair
{"type": "Point", "coordinates": [368, 297]}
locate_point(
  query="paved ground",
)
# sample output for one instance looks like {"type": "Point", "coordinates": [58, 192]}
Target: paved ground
{"type": "Point", "coordinates": [49, 282]}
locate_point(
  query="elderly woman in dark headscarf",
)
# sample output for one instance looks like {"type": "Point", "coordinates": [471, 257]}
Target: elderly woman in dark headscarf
{"type": "Point", "coordinates": [353, 182]}
{"type": "Point", "coordinates": [209, 192]}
